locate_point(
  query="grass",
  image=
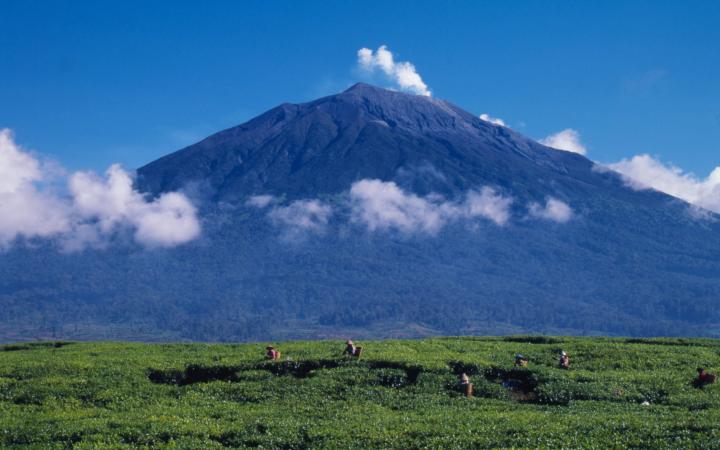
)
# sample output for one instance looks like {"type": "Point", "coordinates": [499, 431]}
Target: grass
{"type": "Point", "coordinates": [401, 394]}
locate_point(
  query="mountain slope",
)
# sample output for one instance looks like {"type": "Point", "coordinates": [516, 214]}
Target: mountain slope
{"type": "Point", "coordinates": [627, 262]}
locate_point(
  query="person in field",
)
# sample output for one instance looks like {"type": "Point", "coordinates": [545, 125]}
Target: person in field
{"type": "Point", "coordinates": [564, 360]}
{"type": "Point", "coordinates": [704, 377]}
{"type": "Point", "coordinates": [465, 385]}
{"type": "Point", "coordinates": [351, 349]}
{"type": "Point", "coordinates": [272, 353]}
{"type": "Point", "coordinates": [520, 360]}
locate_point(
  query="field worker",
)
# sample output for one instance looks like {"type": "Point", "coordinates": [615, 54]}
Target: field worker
{"type": "Point", "coordinates": [704, 377]}
{"type": "Point", "coordinates": [272, 353]}
{"type": "Point", "coordinates": [520, 360]}
{"type": "Point", "coordinates": [349, 348]}
{"type": "Point", "coordinates": [466, 386]}
{"type": "Point", "coordinates": [564, 360]}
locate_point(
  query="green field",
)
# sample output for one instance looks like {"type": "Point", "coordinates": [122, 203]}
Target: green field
{"type": "Point", "coordinates": [400, 394]}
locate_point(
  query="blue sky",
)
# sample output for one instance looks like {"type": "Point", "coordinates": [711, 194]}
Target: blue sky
{"type": "Point", "coordinates": [94, 83]}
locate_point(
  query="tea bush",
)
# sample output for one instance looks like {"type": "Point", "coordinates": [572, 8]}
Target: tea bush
{"type": "Point", "coordinates": [618, 393]}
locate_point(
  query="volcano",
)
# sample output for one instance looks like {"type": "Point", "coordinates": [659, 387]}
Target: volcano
{"type": "Point", "coordinates": [469, 228]}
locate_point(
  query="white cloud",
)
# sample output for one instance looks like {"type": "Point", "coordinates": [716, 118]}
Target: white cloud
{"type": "Point", "coordinates": [488, 204]}
{"type": "Point", "coordinates": [260, 201]}
{"type": "Point", "coordinates": [554, 210]}
{"type": "Point", "coordinates": [645, 172]}
{"type": "Point", "coordinates": [25, 209]}
{"type": "Point", "coordinates": [16, 167]}
{"type": "Point", "coordinates": [168, 221]}
{"type": "Point", "coordinates": [302, 215]}
{"type": "Point", "coordinates": [112, 202]}
{"type": "Point", "coordinates": [493, 120]}
{"type": "Point", "coordinates": [568, 140]}
{"type": "Point", "coordinates": [382, 205]}
{"type": "Point", "coordinates": [92, 210]}
{"type": "Point", "coordinates": [403, 73]}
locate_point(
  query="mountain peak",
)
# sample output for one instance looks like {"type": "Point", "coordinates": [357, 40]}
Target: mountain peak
{"type": "Point", "coordinates": [323, 146]}
{"type": "Point", "coordinates": [360, 87]}
{"type": "Point", "coordinates": [376, 93]}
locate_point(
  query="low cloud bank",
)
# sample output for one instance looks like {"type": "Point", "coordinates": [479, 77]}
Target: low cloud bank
{"type": "Point", "coordinates": [403, 73]}
{"type": "Point", "coordinates": [91, 210]}
{"type": "Point", "coordinates": [382, 205]}
{"type": "Point", "coordinates": [645, 172]}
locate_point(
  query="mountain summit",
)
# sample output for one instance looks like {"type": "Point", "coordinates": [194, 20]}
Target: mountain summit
{"type": "Point", "coordinates": [374, 213]}
{"type": "Point", "coordinates": [321, 147]}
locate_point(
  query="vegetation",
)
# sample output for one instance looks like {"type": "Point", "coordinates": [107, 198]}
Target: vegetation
{"type": "Point", "coordinates": [617, 393]}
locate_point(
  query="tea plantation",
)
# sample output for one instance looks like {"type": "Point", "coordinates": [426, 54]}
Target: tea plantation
{"type": "Point", "coordinates": [618, 393]}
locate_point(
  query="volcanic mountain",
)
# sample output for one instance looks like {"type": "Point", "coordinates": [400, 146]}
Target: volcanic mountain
{"type": "Point", "coordinates": [322, 147]}
{"type": "Point", "coordinates": [375, 213]}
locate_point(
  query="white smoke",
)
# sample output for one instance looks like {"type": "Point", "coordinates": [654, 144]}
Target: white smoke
{"type": "Point", "coordinates": [92, 210]}
{"type": "Point", "coordinates": [402, 73]}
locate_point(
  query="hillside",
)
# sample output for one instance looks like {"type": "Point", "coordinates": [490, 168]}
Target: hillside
{"type": "Point", "coordinates": [399, 394]}
{"type": "Point", "coordinates": [381, 214]}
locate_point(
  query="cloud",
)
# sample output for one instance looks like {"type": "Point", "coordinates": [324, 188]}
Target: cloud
{"type": "Point", "coordinates": [382, 205]}
{"type": "Point", "coordinates": [493, 120]}
{"type": "Point", "coordinates": [554, 210]}
{"type": "Point", "coordinates": [260, 201]}
{"type": "Point", "coordinates": [297, 218]}
{"type": "Point", "coordinates": [302, 215]}
{"type": "Point", "coordinates": [25, 209]}
{"type": "Point", "coordinates": [403, 73]}
{"type": "Point", "coordinates": [488, 204]}
{"type": "Point", "coordinates": [92, 209]}
{"type": "Point", "coordinates": [645, 172]}
{"type": "Point", "coordinates": [568, 140]}
{"type": "Point", "coordinates": [110, 203]}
